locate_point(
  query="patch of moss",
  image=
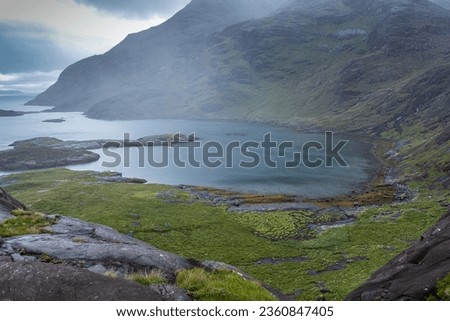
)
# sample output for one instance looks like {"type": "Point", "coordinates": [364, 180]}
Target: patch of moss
{"type": "Point", "coordinates": [443, 289]}
{"type": "Point", "coordinates": [46, 258]}
{"type": "Point", "coordinates": [221, 285]}
{"type": "Point", "coordinates": [277, 225]}
{"type": "Point", "coordinates": [24, 222]}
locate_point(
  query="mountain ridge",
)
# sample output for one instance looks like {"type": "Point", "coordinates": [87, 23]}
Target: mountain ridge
{"type": "Point", "coordinates": [335, 59]}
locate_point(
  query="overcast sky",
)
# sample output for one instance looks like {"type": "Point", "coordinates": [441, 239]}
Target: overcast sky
{"type": "Point", "coordinates": [40, 36]}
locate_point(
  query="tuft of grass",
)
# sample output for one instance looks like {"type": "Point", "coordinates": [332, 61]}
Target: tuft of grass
{"type": "Point", "coordinates": [24, 222]}
{"type": "Point", "coordinates": [148, 279]}
{"type": "Point", "coordinates": [111, 274]}
{"type": "Point", "coordinates": [79, 239]}
{"type": "Point", "coordinates": [221, 285]}
{"type": "Point", "coordinates": [443, 289]}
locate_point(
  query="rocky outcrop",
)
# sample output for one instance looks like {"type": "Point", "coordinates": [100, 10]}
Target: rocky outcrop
{"type": "Point", "coordinates": [55, 120]}
{"type": "Point", "coordinates": [70, 262]}
{"type": "Point", "coordinates": [18, 159]}
{"type": "Point", "coordinates": [413, 274]}
{"type": "Point", "coordinates": [91, 246]}
{"type": "Point", "coordinates": [54, 143]}
{"type": "Point", "coordinates": [10, 113]}
{"type": "Point", "coordinates": [8, 204]}
{"type": "Point", "coordinates": [22, 281]}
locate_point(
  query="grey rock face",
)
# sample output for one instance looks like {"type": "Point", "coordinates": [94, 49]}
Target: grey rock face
{"type": "Point", "coordinates": [48, 282]}
{"type": "Point", "coordinates": [87, 245]}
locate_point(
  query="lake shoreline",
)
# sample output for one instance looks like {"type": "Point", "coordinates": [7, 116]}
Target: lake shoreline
{"type": "Point", "coordinates": [363, 150]}
{"type": "Point", "coordinates": [379, 164]}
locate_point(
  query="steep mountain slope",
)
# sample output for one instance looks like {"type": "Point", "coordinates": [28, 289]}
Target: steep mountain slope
{"type": "Point", "coordinates": [144, 73]}
{"type": "Point", "coordinates": [326, 62]}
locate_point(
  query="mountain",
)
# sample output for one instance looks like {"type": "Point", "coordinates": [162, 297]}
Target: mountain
{"type": "Point", "coordinates": [345, 60]}
{"type": "Point", "coordinates": [150, 67]}
{"type": "Point", "coordinates": [325, 62]}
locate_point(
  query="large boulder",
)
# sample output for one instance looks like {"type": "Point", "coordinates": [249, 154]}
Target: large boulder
{"type": "Point", "coordinates": [20, 281]}
{"type": "Point", "coordinates": [76, 242]}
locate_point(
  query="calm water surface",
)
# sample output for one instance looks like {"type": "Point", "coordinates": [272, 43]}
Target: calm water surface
{"type": "Point", "coordinates": [320, 182]}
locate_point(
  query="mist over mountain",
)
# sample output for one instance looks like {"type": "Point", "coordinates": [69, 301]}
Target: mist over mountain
{"type": "Point", "coordinates": [363, 63]}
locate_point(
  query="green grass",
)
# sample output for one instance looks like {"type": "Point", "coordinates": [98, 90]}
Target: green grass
{"type": "Point", "coordinates": [443, 289]}
{"type": "Point", "coordinates": [24, 223]}
{"type": "Point", "coordinates": [221, 285]}
{"type": "Point", "coordinates": [154, 277]}
{"type": "Point", "coordinates": [276, 225]}
{"type": "Point", "coordinates": [170, 219]}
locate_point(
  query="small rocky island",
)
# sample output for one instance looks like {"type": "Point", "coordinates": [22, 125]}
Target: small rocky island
{"type": "Point", "coordinates": [48, 152]}
{"type": "Point", "coordinates": [56, 120]}
{"type": "Point", "coordinates": [10, 113]}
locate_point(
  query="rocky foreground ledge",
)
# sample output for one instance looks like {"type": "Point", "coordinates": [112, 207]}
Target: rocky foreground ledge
{"type": "Point", "coordinates": [71, 262]}
{"type": "Point", "coordinates": [48, 152]}
{"type": "Point", "coordinates": [75, 260]}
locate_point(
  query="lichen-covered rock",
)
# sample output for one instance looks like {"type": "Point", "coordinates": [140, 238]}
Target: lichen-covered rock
{"type": "Point", "coordinates": [84, 244]}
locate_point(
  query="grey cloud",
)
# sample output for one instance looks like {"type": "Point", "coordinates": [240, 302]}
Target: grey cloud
{"type": "Point", "coordinates": [30, 83]}
{"type": "Point", "coordinates": [136, 8]}
{"type": "Point", "coordinates": [26, 48]}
